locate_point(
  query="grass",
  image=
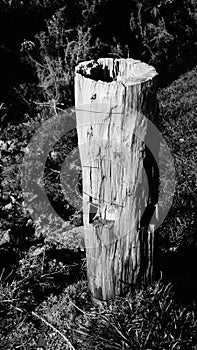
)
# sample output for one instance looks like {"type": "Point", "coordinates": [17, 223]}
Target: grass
{"type": "Point", "coordinates": [178, 105]}
{"type": "Point", "coordinates": [148, 319]}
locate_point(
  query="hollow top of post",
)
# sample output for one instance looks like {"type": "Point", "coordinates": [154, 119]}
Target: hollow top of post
{"type": "Point", "coordinates": [110, 70]}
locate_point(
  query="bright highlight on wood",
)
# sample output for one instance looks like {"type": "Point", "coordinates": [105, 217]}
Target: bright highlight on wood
{"type": "Point", "coordinates": [115, 99]}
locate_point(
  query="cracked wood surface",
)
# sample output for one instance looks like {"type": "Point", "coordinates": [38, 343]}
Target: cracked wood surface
{"type": "Point", "coordinates": [114, 100]}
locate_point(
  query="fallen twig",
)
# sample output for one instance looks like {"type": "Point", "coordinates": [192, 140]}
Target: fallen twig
{"type": "Point", "coordinates": [55, 329]}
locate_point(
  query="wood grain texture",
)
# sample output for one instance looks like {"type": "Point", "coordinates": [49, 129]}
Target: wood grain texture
{"type": "Point", "coordinates": [115, 99]}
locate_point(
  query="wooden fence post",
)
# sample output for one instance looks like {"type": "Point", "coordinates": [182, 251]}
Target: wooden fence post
{"type": "Point", "coordinates": [115, 102]}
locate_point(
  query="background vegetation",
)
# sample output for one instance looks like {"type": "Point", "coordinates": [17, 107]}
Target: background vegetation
{"type": "Point", "coordinates": [37, 273]}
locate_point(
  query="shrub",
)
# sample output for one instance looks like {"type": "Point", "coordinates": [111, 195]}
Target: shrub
{"type": "Point", "coordinates": [59, 51]}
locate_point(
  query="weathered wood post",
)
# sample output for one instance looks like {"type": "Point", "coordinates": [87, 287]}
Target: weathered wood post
{"type": "Point", "coordinates": [115, 104]}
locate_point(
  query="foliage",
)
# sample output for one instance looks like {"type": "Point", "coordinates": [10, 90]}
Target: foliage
{"type": "Point", "coordinates": [164, 32]}
{"type": "Point", "coordinates": [60, 54]}
{"type": "Point", "coordinates": [14, 215]}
